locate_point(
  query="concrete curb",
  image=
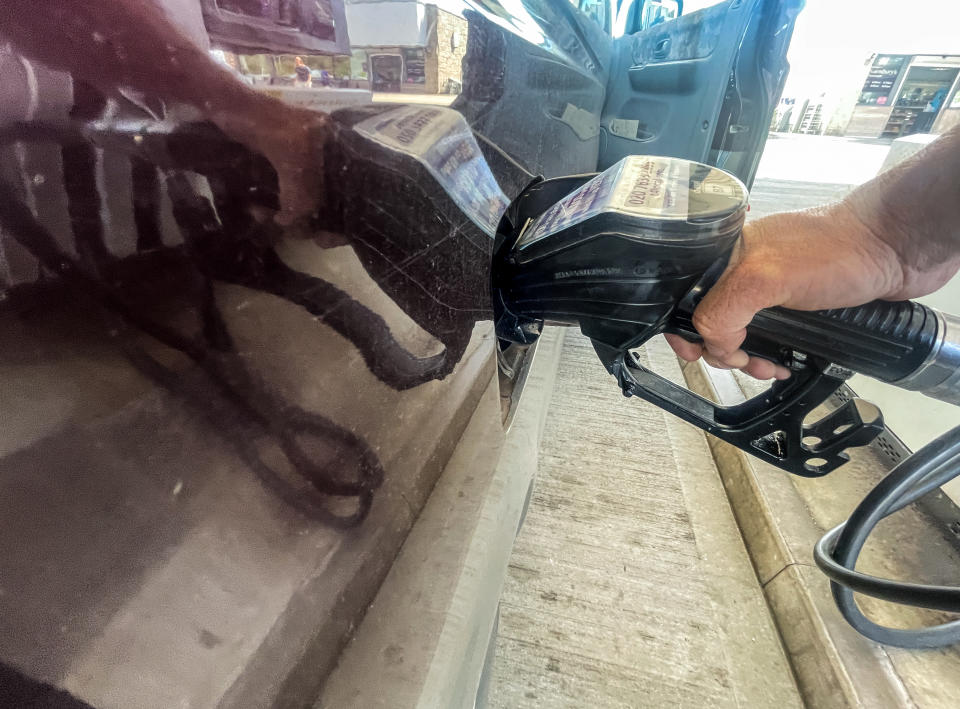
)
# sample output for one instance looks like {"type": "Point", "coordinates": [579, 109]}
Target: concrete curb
{"type": "Point", "coordinates": [424, 640]}
{"type": "Point", "coordinates": [833, 665]}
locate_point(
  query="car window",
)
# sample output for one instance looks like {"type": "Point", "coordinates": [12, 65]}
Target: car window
{"type": "Point", "coordinates": [656, 12]}
{"type": "Point", "coordinates": [596, 10]}
{"type": "Point", "coordinates": [637, 15]}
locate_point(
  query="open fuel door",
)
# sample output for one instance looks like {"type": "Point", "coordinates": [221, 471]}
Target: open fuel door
{"type": "Point", "coordinates": [701, 86]}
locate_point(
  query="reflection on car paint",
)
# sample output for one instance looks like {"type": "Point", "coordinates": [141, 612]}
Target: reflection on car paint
{"type": "Point", "coordinates": [315, 374]}
{"type": "Point", "coordinates": [424, 268]}
{"type": "Point", "coordinates": [441, 140]}
{"type": "Point", "coordinates": [446, 293]}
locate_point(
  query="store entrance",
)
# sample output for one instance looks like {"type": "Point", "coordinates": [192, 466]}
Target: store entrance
{"type": "Point", "coordinates": [921, 97]}
{"type": "Point", "coordinates": [386, 71]}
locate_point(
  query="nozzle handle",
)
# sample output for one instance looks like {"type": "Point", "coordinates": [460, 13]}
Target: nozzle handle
{"type": "Point", "coordinates": [904, 343]}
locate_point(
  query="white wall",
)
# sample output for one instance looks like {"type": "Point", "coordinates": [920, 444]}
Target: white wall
{"type": "Point", "coordinates": [377, 24]}
{"type": "Point", "coordinates": [187, 14]}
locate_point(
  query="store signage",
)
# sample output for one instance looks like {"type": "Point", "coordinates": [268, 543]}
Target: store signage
{"type": "Point", "coordinates": [881, 79]}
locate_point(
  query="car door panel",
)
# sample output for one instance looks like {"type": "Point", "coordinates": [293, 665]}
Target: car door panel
{"type": "Point", "coordinates": [198, 415]}
{"type": "Point", "coordinates": [535, 77]}
{"type": "Point", "coordinates": [754, 90]}
{"type": "Point", "coordinates": [670, 84]}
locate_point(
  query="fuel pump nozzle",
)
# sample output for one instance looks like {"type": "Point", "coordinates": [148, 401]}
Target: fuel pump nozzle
{"type": "Point", "coordinates": [627, 254]}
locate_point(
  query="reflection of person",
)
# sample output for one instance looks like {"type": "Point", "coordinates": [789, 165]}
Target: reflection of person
{"type": "Point", "coordinates": [937, 100]}
{"type": "Point", "coordinates": [925, 120]}
{"type": "Point", "coordinates": [892, 238]}
{"type": "Point", "coordinates": [302, 74]}
{"type": "Point", "coordinates": [132, 43]}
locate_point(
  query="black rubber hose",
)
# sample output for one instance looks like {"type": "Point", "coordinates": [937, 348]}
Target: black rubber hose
{"type": "Point", "coordinates": [837, 552]}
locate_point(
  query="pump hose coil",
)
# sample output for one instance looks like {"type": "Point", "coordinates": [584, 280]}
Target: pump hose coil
{"type": "Point", "coordinates": [836, 553]}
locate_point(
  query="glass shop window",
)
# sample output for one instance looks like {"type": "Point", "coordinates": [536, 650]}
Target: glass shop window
{"type": "Point", "coordinates": [413, 60]}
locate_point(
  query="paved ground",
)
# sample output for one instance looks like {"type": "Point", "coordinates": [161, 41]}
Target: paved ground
{"type": "Point", "coordinates": [621, 580]}
{"type": "Point", "coordinates": [436, 99]}
{"type": "Point", "coordinates": [816, 158]}
{"type": "Point", "coordinates": [629, 585]}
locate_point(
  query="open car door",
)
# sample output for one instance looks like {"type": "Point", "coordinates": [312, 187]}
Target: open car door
{"type": "Point", "coordinates": [701, 86]}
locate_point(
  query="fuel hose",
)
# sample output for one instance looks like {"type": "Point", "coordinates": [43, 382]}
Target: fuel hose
{"type": "Point", "coordinates": [837, 552]}
{"type": "Point", "coordinates": [627, 253]}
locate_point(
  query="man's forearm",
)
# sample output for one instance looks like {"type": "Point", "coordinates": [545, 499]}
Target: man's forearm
{"type": "Point", "coordinates": [124, 43]}
{"type": "Point", "coordinates": [133, 44]}
{"type": "Point", "coordinates": [915, 206]}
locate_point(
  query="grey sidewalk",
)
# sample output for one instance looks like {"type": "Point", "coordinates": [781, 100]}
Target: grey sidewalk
{"type": "Point", "coordinates": [629, 585]}
{"type": "Point", "coordinates": [608, 600]}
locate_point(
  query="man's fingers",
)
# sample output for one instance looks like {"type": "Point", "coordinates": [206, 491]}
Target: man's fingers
{"type": "Point", "coordinates": [689, 351]}
{"type": "Point", "coordinates": [780, 372]}
{"type": "Point", "coordinates": [714, 362]}
{"type": "Point", "coordinates": [755, 366]}
{"type": "Point", "coordinates": [727, 309]}
{"type": "Point", "coordinates": [765, 369]}
{"type": "Point", "coordinates": [732, 360]}
{"type": "Point", "coordinates": [759, 368]}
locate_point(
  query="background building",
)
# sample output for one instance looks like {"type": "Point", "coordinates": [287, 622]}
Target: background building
{"type": "Point", "coordinates": [404, 45]}
{"type": "Point", "coordinates": [891, 96]}
{"type": "Point", "coordinates": [905, 94]}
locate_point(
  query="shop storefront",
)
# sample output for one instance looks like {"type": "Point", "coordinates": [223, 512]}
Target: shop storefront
{"type": "Point", "coordinates": [905, 94]}
{"type": "Point", "coordinates": [394, 68]}
{"type": "Point", "coordinates": [403, 45]}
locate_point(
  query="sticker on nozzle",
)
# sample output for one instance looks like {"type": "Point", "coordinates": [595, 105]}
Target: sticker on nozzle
{"type": "Point", "coordinates": [653, 187]}
{"type": "Point", "coordinates": [639, 185]}
{"type": "Point", "coordinates": [441, 140]}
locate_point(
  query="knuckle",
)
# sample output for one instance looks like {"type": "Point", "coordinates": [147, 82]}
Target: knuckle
{"type": "Point", "coordinates": [704, 320]}
{"type": "Point", "coordinates": [754, 273]}
{"type": "Point", "coordinates": [747, 284]}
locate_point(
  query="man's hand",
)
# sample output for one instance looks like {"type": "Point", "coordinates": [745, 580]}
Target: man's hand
{"type": "Point", "coordinates": [292, 139]}
{"type": "Point", "coordinates": [133, 44]}
{"type": "Point", "coordinates": [893, 238]}
{"type": "Point", "coordinates": [823, 258]}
